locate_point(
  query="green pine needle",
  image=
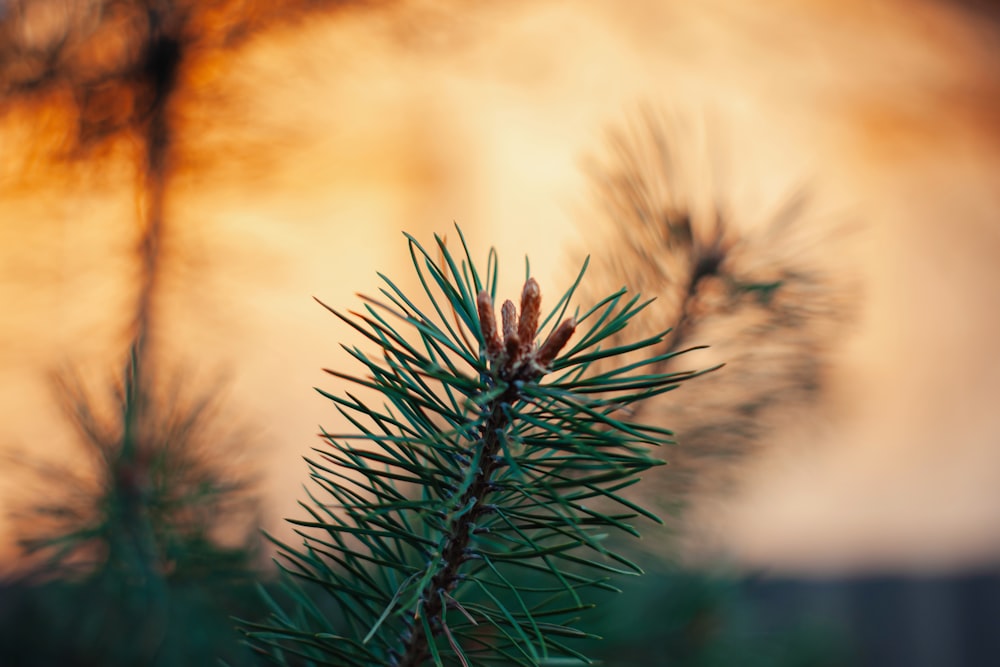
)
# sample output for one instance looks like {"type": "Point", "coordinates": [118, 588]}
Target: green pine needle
{"type": "Point", "coordinates": [455, 530]}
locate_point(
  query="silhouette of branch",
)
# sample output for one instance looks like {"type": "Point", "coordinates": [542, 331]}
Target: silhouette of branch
{"type": "Point", "coordinates": [760, 297]}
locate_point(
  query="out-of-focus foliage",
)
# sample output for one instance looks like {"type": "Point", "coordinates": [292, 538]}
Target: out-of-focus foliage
{"type": "Point", "coordinates": [755, 291]}
{"type": "Point", "coordinates": [165, 491]}
{"type": "Point", "coordinates": [698, 619]}
{"type": "Point", "coordinates": [139, 557]}
{"type": "Point", "coordinates": [103, 622]}
{"type": "Point", "coordinates": [663, 619]}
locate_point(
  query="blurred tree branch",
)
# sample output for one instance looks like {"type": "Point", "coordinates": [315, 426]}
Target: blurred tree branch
{"type": "Point", "coordinates": [762, 297]}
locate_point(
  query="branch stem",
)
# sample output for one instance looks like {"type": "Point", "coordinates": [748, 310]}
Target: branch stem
{"type": "Point", "coordinates": [455, 552]}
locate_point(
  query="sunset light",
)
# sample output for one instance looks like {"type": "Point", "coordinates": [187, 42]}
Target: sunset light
{"type": "Point", "coordinates": [810, 190]}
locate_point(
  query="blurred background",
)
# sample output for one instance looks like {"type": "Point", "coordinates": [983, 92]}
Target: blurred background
{"type": "Point", "coordinates": [810, 188]}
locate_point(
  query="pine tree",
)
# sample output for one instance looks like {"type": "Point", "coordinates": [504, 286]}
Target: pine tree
{"type": "Point", "coordinates": [466, 519]}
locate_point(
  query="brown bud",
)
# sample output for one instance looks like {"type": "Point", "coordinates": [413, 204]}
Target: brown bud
{"type": "Point", "coordinates": [508, 313]}
{"type": "Point", "coordinates": [531, 301]}
{"type": "Point", "coordinates": [556, 342]}
{"type": "Point", "coordinates": [488, 325]}
{"type": "Point", "coordinates": [531, 304]}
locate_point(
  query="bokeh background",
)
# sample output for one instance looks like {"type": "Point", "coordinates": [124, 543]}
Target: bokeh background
{"type": "Point", "coordinates": [260, 154]}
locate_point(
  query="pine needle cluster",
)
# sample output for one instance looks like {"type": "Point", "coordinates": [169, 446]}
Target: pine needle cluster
{"type": "Point", "coordinates": [467, 518]}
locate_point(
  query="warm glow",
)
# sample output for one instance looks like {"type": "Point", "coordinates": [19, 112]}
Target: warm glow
{"type": "Point", "coordinates": [303, 145]}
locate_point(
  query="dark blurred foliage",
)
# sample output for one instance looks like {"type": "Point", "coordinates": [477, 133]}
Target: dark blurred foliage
{"type": "Point", "coordinates": [139, 556]}
{"type": "Point", "coordinates": [679, 618]}
{"type": "Point", "coordinates": [96, 622]}
{"type": "Point", "coordinates": [757, 294]}
{"type": "Point", "coordinates": [696, 619]}
{"type": "Point", "coordinates": [666, 618]}
{"type": "Point", "coordinates": [164, 487]}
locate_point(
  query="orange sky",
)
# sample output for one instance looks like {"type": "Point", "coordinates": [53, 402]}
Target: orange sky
{"type": "Point", "coordinates": [306, 150]}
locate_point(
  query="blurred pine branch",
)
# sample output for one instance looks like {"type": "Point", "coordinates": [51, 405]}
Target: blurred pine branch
{"type": "Point", "coordinates": [151, 533]}
{"type": "Point", "coordinates": [761, 294]}
{"type": "Point", "coordinates": [163, 492]}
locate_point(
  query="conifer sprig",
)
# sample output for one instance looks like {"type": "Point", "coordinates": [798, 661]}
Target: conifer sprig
{"type": "Point", "coordinates": [470, 511]}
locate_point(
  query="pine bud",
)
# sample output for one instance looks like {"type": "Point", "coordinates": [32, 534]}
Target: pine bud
{"type": "Point", "coordinates": [556, 342]}
{"type": "Point", "coordinates": [531, 304]}
{"type": "Point", "coordinates": [488, 325]}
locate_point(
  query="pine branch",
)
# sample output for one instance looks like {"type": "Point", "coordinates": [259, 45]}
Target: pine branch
{"type": "Point", "coordinates": [762, 295]}
{"type": "Point", "coordinates": [470, 512]}
{"type": "Point", "coordinates": [156, 490]}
